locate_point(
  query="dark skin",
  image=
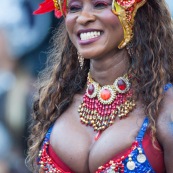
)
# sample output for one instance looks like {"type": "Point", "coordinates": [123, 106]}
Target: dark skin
{"type": "Point", "coordinates": [76, 145]}
{"type": "Point", "coordinates": [74, 142]}
{"type": "Point", "coordinates": [165, 129]}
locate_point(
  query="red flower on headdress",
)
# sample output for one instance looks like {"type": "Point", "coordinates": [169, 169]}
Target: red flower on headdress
{"type": "Point", "coordinates": [48, 6]}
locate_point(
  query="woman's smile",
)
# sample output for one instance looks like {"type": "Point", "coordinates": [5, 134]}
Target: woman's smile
{"type": "Point", "coordinates": [93, 28]}
{"type": "Point", "coordinates": [88, 36]}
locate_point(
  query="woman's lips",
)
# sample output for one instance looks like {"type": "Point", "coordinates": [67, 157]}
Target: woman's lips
{"type": "Point", "coordinates": [89, 41]}
{"type": "Point", "coordinates": [88, 36]}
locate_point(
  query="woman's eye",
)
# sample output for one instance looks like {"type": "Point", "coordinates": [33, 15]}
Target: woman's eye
{"type": "Point", "coordinates": [101, 5]}
{"type": "Point", "coordinates": [74, 8]}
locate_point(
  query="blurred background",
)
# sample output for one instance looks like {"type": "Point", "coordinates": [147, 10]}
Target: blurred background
{"type": "Point", "coordinates": [24, 43]}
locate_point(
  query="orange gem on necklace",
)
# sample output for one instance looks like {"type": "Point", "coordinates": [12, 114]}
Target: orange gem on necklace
{"type": "Point", "coordinates": [105, 94]}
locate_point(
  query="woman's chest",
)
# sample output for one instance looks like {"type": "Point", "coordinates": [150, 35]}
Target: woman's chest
{"type": "Point", "coordinates": [75, 143]}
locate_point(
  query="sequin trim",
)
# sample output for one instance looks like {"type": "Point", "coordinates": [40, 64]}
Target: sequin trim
{"type": "Point", "coordinates": [167, 86]}
{"type": "Point", "coordinates": [134, 161]}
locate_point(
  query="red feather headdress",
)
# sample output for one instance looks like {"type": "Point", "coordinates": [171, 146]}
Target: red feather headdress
{"type": "Point", "coordinates": [52, 5]}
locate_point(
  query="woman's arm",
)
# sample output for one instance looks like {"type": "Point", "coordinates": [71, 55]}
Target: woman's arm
{"type": "Point", "coordinates": [165, 129]}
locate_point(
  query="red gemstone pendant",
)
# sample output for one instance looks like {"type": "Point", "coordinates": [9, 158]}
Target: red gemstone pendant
{"type": "Point", "coordinates": [121, 84]}
{"type": "Point", "coordinates": [90, 89]}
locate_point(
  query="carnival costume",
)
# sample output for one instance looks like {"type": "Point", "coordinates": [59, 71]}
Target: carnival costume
{"type": "Point", "coordinates": [135, 159]}
{"type": "Point", "coordinates": [102, 104]}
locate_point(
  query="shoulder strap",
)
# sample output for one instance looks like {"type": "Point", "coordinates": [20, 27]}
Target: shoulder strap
{"type": "Point", "coordinates": [167, 86]}
{"type": "Point", "coordinates": [142, 130]}
{"type": "Point", "coordinates": [47, 136]}
{"type": "Point", "coordinates": [144, 126]}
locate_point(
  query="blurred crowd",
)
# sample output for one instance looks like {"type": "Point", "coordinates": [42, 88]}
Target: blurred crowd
{"type": "Point", "coordinates": [24, 41]}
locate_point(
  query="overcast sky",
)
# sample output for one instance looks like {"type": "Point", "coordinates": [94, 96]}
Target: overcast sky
{"type": "Point", "coordinates": [170, 4]}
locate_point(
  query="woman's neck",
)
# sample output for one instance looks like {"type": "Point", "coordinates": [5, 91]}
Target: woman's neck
{"type": "Point", "coordinates": [106, 70]}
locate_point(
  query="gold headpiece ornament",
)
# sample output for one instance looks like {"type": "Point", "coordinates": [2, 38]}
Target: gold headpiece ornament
{"type": "Point", "coordinates": [126, 11]}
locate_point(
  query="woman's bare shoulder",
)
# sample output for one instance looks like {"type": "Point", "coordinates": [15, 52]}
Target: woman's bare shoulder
{"type": "Point", "coordinates": [165, 128]}
{"type": "Point", "coordinates": [165, 119]}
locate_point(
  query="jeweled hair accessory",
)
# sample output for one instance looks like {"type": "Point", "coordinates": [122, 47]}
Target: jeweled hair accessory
{"type": "Point", "coordinates": [126, 11]}
{"type": "Point", "coordinates": [60, 7]}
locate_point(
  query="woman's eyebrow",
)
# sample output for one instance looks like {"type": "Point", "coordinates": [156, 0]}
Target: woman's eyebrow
{"type": "Point", "coordinates": [71, 1]}
{"type": "Point", "coordinates": [102, 0]}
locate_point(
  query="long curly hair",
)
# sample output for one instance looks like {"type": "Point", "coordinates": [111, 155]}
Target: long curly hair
{"type": "Point", "coordinates": [152, 65]}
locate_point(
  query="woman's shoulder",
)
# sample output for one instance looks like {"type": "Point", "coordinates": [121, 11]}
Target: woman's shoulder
{"type": "Point", "coordinates": [165, 127]}
{"type": "Point", "coordinates": [165, 119]}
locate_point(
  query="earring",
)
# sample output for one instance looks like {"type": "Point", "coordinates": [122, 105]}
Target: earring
{"type": "Point", "coordinates": [130, 49]}
{"type": "Point", "coordinates": [81, 60]}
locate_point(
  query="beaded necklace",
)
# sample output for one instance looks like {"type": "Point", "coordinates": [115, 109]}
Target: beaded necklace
{"type": "Point", "coordinates": [101, 104]}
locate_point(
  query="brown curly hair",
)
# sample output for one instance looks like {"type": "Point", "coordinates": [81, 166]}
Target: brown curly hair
{"type": "Point", "coordinates": [152, 65]}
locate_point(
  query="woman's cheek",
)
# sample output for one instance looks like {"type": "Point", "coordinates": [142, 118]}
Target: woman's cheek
{"type": "Point", "coordinates": [70, 25]}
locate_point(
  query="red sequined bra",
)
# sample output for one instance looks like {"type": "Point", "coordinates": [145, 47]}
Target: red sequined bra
{"type": "Point", "coordinates": [135, 159]}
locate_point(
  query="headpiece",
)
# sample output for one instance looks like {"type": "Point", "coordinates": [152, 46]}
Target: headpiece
{"type": "Point", "coordinates": [124, 9]}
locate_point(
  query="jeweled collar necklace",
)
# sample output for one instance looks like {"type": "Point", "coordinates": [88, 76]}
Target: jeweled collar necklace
{"type": "Point", "coordinates": [102, 104]}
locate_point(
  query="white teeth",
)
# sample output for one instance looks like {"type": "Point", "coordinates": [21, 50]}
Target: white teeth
{"type": "Point", "coordinates": [89, 35]}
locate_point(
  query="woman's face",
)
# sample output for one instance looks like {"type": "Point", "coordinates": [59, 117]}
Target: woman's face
{"type": "Point", "coordinates": [93, 28]}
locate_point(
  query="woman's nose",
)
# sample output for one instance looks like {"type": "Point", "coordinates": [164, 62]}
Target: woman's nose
{"type": "Point", "coordinates": [86, 16]}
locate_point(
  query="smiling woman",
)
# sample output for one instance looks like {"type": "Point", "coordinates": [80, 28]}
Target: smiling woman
{"type": "Point", "coordinates": [95, 17]}
{"type": "Point", "coordinates": [105, 104]}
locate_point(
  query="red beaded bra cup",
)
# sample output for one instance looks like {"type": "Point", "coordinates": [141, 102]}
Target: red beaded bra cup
{"type": "Point", "coordinates": [101, 105]}
{"type": "Point", "coordinates": [133, 160]}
